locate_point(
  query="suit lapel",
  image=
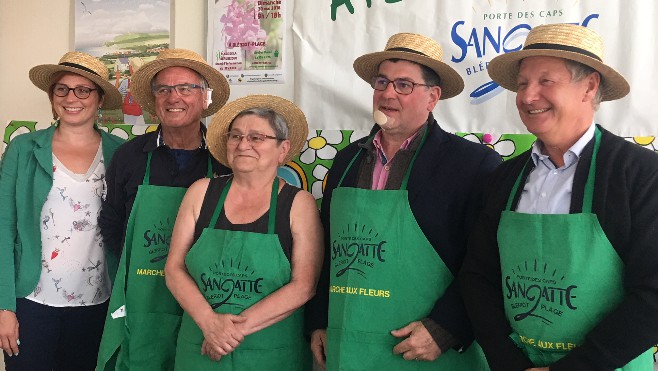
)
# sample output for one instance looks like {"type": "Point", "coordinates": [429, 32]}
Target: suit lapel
{"type": "Point", "coordinates": [427, 160]}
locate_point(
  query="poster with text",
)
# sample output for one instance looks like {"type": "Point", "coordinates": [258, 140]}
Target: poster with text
{"type": "Point", "coordinates": [246, 40]}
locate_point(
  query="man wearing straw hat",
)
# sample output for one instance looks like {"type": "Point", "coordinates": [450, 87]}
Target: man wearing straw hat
{"type": "Point", "coordinates": [561, 268]}
{"type": "Point", "coordinates": [146, 182]}
{"type": "Point", "coordinates": [397, 209]}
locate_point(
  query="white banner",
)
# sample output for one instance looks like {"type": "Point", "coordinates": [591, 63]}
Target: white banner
{"type": "Point", "coordinates": [329, 35]}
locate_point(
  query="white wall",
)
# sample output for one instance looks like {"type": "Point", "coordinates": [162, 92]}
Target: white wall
{"type": "Point", "coordinates": [35, 32]}
{"type": "Point", "coordinates": [31, 33]}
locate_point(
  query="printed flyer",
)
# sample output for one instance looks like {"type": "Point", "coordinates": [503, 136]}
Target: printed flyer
{"type": "Point", "coordinates": [247, 40]}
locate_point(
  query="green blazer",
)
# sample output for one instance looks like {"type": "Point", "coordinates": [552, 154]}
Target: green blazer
{"type": "Point", "coordinates": [26, 177]}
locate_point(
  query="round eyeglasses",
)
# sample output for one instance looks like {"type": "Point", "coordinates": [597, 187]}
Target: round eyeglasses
{"type": "Point", "coordinates": [401, 86]}
{"type": "Point", "coordinates": [82, 92]}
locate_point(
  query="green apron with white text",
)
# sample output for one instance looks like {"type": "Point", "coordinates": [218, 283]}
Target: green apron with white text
{"type": "Point", "coordinates": [384, 275]}
{"type": "Point", "coordinates": [144, 337]}
{"type": "Point", "coordinates": [235, 270]}
{"type": "Point", "coordinates": [560, 276]}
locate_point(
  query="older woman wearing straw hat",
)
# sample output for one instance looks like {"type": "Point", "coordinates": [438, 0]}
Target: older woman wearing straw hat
{"type": "Point", "coordinates": [561, 270]}
{"type": "Point", "coordinates": [54, 275]}
{"type": "Point", "coordinates": [246, 250]}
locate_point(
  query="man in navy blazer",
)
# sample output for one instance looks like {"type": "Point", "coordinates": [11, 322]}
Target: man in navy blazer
{"type": "Point", "coordinates": [441, 173]}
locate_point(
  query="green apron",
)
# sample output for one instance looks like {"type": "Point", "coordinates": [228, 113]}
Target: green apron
{"type": "Point", "coordinates": [144, 337]}
{"type": "Point", "coordinates": [234, 270]}
{"type": "Point", "coordinates": [384, 275]}
{"type": "Point", "coordinates": [560, 276]}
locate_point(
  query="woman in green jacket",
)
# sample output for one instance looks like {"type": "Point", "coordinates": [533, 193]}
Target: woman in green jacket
{"type": "Point", "coordinates": [54, 277]}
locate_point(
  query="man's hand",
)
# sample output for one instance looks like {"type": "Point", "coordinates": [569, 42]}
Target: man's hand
{"type": "Point", "coordinates": [537, 369]}
{"type": "Point", "coordinates": [319, 347]}
{"type": "Point", "coordinates": [9, 332]}
{"type": "Point", "coordinates": [418, 345]}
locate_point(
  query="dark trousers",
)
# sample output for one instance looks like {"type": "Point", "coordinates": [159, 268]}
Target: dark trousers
{"type": "Point", "coordinates": [57, 338]}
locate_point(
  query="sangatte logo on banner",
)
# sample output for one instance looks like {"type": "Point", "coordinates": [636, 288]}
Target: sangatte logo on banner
{"type": "Point", "coordinates": [471, 33]}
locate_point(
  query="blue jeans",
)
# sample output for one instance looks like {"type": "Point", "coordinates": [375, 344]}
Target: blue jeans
{"type": "Point", "coordinates": [57, 338]}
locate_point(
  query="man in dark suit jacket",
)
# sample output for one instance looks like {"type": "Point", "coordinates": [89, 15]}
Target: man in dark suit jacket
{"type": "Point", "coordinates": [410, 191]}
{"type": "Point", "coordinates": [561, 266]}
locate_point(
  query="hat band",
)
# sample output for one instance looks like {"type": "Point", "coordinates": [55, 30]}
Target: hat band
{"type": "Point", "coordinates": [566, 48]}
{"type": "Point", "coordinates": [75, 65]}
{"type": "Point", "coordinates": [406, 50]}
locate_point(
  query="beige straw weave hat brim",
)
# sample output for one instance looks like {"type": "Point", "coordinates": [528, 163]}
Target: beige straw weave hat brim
{"type": "Point", "coordinates": [81, 64]}
{"type": "Point", "coordinates": [416, 48]}
{"type": "Point", "coordinates": [566, 41]}
{"type": "Point", "coordinates": [292, 115]}
{"type": "Point", "coordinates": [141, 81]}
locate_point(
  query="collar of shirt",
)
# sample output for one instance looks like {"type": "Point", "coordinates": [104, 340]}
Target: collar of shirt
{"type": "Point", "coordinates": [570, 157]}
{"type": "Point", "coordinates": [159, 141]}
{"type": "Point", "coordinates": [379, 149]}
{"type": "Point", "coordinates": [381, 168]}
{"type": "Point", "coordinates": [548, 190]}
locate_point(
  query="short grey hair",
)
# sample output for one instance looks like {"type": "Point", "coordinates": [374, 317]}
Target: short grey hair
{"type": "Point", "coordinates": [579, 71]}
{"type": "Point", "coordinates": [276, 121]}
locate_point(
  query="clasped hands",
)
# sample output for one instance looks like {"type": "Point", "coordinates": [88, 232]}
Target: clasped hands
{"type": "Point", "coordinates": [222, 334]}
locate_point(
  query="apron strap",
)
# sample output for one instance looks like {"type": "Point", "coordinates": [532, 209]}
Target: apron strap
{"type": "Point", "coordinates": [405, 180]}
{"type": "Point", "coordinates": [349, 166]}
{"type": "Point", "coordinates": [515, 188]}
{"type": "Point", "coordinates": [147, 173]}
{"type": "Point", "coordinates": [588, 197]}
{"type": "Point", "coordinates": [209, 173]}
{"type": "Point", "coordinates": [271, 223]}
{"type": "Point", "coordinates": [413, 159]}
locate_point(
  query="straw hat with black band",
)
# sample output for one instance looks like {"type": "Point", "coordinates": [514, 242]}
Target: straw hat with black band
{"type": "Point", "coordinates": [81, 64]}
{"type": "Point", "coordinates": [566, 41]}
{"type": "Point", "coordinates": [291, 114]}
{"type": "Point", "coordinates": [415, 48]}
{"type": "Point", "coordinates": [141, 81]}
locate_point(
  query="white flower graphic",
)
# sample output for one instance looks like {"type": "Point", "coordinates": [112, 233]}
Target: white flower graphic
{"type": "Point", "coordinates": [504, 147]}
{"type": "Point", "coordinates": [319, 172]}
{"type": "Point", "coordinates": [319, 146]}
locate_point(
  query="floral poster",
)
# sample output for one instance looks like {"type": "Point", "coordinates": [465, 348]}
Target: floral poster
{"type": "Point", "coordinates": [246, 40]}
{"type": "Point", "coordinates": [124, 34]}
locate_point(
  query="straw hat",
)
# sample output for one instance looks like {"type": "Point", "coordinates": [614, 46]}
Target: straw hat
{"type": "Point", "coordinates": [141, 81]}
{"type": "Point", "coordinates": [81, 64]}
{"type": "Point", "coordinates": [416, 48]}
{"type": "Point", "coordinates": [292, 115]}
{"type": "Point", "coordinates": [566, 41]}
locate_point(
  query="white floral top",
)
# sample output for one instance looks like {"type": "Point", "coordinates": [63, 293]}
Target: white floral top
{"type": "Point", "coordinates": [73, 264]}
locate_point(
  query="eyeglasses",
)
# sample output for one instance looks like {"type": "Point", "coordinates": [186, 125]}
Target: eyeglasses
{"type": "Point", "coordinates": [82, 92]}
{"type": "Point", "coordinates": [182, 89]}
{"type": "Point", "coordinates": [253, 138]}
{"type": "Point", "coordinates": [401, 86]}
